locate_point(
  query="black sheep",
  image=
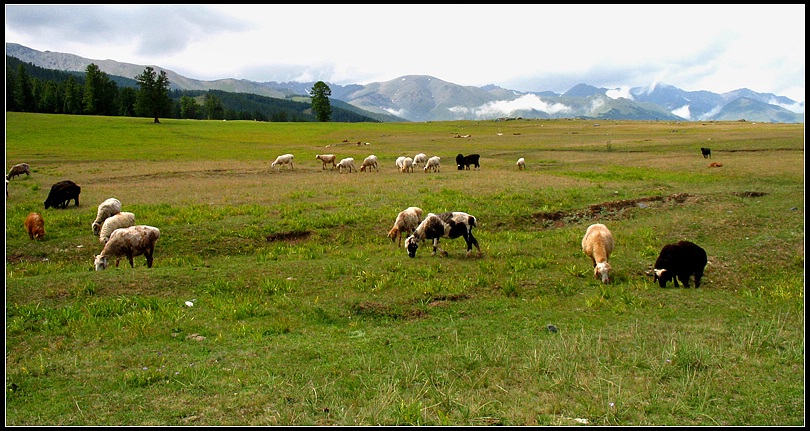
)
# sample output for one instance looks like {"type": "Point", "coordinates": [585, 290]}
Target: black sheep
{"type": "Point", "coordinates": [62, 193]}
{"type": "Point", "coordinates": [464, 162]}
{"type": "Point", "coordinates": [678, 262]}
{"type": "Point", "coordinates": [707, 153]}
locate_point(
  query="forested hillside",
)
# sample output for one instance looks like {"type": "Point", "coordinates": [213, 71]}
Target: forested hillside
{"type": "Point", "coordinates": [31, 88]}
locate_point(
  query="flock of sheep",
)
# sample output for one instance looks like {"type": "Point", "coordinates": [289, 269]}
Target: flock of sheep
{"type": "Point", "coordinates": [121, 237]}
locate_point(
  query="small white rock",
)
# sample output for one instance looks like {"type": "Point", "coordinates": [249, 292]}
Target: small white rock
{"type": "Point", "coordinates": [189, 304]}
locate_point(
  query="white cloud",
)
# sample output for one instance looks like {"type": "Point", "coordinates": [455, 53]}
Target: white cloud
{"type": "Point", "coordinates": [718, 48]}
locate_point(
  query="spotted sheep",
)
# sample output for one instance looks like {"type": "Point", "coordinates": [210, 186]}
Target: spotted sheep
{"type": "Point", "coordinates": [598, 244]}
{"type": "Point", "coordinates": [521, 164]}
{"type": "Point", "coordinates": [449, 225]}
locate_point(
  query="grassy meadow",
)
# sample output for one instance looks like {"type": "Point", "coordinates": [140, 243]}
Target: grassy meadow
{"type": "Point", "coordinates": [277, 299]}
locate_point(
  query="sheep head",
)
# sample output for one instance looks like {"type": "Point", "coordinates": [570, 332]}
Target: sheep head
{"type": "Point", "coordinates": [100, 262]}
{"type": "Point", "coordinates": [661, 276]}
{"type": "Point", "coordinates": [601, 270]}
{"type": "Point", "coordinates": [411, 244]}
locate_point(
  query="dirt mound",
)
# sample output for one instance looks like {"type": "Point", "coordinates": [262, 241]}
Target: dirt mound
{"type": "Point", "coordinates": [610, 210]}
{"type": "Point", "coordinates": [291, 237]}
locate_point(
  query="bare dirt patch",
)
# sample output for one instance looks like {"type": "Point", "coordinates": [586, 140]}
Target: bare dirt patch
{"type": "Point", "coordinates": [290, 237]}
{"type": "Point", "coordinates": [611, 210]}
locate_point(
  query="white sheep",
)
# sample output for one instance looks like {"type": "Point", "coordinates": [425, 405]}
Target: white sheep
{"type": "Point", "coordinates": [284, 159]}
{"type": "Point", "coordinates": [130, 242]}
{"type": "Point", "coordinates": [419, 160]}
{"type": "Point", "coordinates": [521, 164]}
{"type": "Point", "coordinates": [370, 163]}
{"type": "Point", "coordinates": [400, 160]}
{"type": "Point", "coordinates": [327, 159]}
{"type": "Point", "coordinates": [106, 209]}
{"type": "Point", "coordinates": [407, 165]}
{"type": "Point", "coordinates": [18, 169]}
{"type": "Point", "coordinates": [406, 222]}
{"type": "Point", "coordinates": [432, 164]}
{"type": "Point", "coordinates": [347, 163]}
{"type": "Point", "coordinates": [598, 244]}
{"type": "Point", "coordinates": [113, 222]}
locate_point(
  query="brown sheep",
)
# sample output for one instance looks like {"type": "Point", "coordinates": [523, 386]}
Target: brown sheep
{"type": "Point", "coordinates": [598, 244]}
{"type": "Point", "coordinates": [35, 226]}
{"type": "Point", "coordinates": [406, 222]}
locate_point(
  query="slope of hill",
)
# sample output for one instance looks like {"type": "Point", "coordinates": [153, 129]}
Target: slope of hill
{"type": "Point", "coordinates": [426, 98]}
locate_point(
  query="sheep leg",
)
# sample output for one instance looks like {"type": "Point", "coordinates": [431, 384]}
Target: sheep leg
{"type": "Point", "coordinates": [471, 241]}
{"type": "Point", "coordinates": [129, 258]}
{"type": "Point", "coordinates": [148, 259]}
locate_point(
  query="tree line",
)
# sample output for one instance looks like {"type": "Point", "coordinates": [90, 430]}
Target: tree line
{"type": "Point", "coordinates": [30, 88]}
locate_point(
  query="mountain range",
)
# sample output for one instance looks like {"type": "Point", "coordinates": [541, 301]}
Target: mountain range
{"type": "Point", "coordinates": [426, 98]}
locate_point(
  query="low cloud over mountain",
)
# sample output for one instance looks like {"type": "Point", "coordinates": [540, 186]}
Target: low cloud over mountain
{"type": "Point", "coordinates": [426, 98]}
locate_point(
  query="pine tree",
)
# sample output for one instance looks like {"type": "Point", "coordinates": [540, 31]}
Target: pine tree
{"type": "Point", "coordinates": [321, 107]}
{"type": "Point", "coordinates": [153, 98]}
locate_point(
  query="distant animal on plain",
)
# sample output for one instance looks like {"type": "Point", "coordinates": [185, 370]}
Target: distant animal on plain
{"type": "Point", "coordinates": [707, 153]}
{"type": "Point", "coordinates": [463, 162]}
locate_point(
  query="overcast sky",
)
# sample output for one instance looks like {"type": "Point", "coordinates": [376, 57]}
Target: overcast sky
{"type": "Point", "coordinates": [717, 48]}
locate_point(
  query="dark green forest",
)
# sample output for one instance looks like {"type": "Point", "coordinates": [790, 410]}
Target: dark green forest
{"type": "Point", "coordinates": [30, 88]}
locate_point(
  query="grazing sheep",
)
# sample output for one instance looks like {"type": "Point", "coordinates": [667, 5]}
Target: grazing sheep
{"type": "Point", "coordinates": [130, 242]}
{"type": "Point", "coordinates": [598, 244]}
{"type": "Point", "coordinates": [284, 159]}
{"type": "Point", "coordinates": [347, 163]}
{"type": "Point", "coordinates": [62, 193]}
{"type": "Point", "coordinates": [419, 160]}
{"type": "Point", "coordinates": [327, 159]}
{"type": "Point", "coordinates": [446, 225]}
{"type": "Point", "coordinates": [106, 209]}
{"type": "Point", "coordinates": [35, 225]}
{"type": "Point", "coordinates": [433, 164]}
{"type": "Point", "coordinates": [370, 163]}
{"type": "Point", "coordinates": [18, 169]}
{"type": "Point", "coordinates": [707, 153]}
{"type": "Point", "coordinates": [521, 164]}
{"type": "Point", "coordinates": [407, 165]}
{"type": "Point", "coordinates": [679, 261]}
{"type": "Point", "coordinates": [463, 162]}
{"type": "Point", "coordinates": [406, 222]}
{"type": "Point", "coordinates": [399, 162]}
{"type": "Point", "coordinates": [113, 222]}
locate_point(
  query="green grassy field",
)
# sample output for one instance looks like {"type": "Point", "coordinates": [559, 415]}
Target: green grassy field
{"type": "Point", "coordinates": [304, 312]}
